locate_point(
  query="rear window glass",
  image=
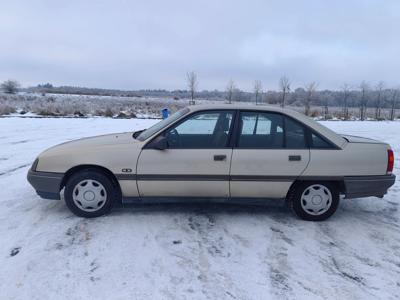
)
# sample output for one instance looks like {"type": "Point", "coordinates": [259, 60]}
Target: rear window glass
{"type": "Point", "coordinates": [260, 130]}
{"type": "Point", "coordinates": [295, 135]}
{"type": "Point", "coordinates": [318, 142]}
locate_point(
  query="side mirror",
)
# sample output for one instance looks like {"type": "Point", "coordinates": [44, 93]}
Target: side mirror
{"type": "Point", "coordinates": [159, 143]}
{"type": "Point", "coordinates": [136, 133]}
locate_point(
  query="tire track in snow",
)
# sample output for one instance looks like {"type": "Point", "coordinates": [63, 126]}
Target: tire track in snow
{"type": "Point", "coordinates": [20, 142]}
{"type": "Point", "coordinates": [276, 258]}
{"type": "Point", "coordinates": [10, 171]}
{"type": "Point", "coordinates": [210, 250]}
{"type": "Point", "coordinates": [201, 253]}
{"type": "Point", "coordinates": [342, 262]}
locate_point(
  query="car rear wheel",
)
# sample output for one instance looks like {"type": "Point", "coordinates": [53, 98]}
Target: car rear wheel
{"type": "Point", "coordinates": [314, 201]}
{"type": "Point", "coordinates": [90, 194]}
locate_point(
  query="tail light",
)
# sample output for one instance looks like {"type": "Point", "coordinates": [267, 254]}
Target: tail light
{"type": "Point", "coordinates": [390, 163]}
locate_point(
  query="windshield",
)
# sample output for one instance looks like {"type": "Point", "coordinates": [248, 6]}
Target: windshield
{"type": "Point", "coordinates": [160, 125]}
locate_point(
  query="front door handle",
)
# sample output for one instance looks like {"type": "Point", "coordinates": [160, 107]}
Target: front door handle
{"type": "Point", "coordinates": [294, 157]}
{"type": "Point", "coordinates": [219, 157]}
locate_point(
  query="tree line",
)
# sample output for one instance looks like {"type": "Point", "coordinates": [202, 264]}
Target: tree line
{"type": "Point", "coordinates": [351, 101]}
{"type": "Point", "coordinates": [360, 97]}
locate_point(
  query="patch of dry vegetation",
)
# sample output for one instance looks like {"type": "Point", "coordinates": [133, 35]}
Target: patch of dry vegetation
{"type": "Point", "coordinates": [82, 106]}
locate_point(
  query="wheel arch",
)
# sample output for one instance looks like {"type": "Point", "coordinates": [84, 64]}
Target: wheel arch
{"type": "Point", "coordinates": [96, 168]}
{"type": "Point", "coordinates": [338, 183]}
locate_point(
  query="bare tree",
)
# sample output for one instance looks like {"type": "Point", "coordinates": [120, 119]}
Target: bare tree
{"type": "Point", "coordinates": [192, 83]}
{"type": "Point", "coordinates": [364, 87]}
{"type": "Point", "coordinates": [346, 94]}
{"type": "Point", "coordinates": [284, 84]}
{"type": "Point", "coordinates": [310, 89]}
{"type": "Point", "coordinates": [257, 89]}
{"type": "Point", "coordinates": [10, 86]}
{"type": "Point", "coordinates": [230, 90]}
{"type": "Point", "coordinates": [237, 94]}
{"type": "Point", "coordinates": [393, 102]}
{"type": "Point", "coordinates": [379, 91]}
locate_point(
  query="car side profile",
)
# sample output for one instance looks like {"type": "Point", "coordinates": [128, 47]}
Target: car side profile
{"type": "Point", "coordinates": [223, 153]}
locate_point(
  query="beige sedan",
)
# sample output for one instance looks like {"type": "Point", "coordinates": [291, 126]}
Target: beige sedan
{"type": "Point", "coordinates": [224, 153]}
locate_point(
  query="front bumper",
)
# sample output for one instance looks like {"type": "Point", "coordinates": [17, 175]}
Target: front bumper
{"type": "Point", "coordinates": [46, 184]}
{"type": "Point", "coordinates": [367, 186]}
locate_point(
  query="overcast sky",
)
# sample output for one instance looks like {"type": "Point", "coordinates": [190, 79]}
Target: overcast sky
{"type": "Point", "coordinates": [152, 44]}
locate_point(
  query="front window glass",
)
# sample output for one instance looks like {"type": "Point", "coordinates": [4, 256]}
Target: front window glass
{"type": "Point", "coordinates": [202, 130]}
{"type": "Point", "coordinates": [160, 125]}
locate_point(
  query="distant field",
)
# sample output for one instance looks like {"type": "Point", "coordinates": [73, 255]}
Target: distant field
{"type": "Point", "coordinates": [129, 107]}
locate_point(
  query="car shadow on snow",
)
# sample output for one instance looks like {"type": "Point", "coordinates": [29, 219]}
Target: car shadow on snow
{"type": "Point", "coordinates": [274, 208]}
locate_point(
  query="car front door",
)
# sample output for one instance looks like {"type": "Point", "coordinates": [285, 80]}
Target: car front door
{"type": "Point", "coordinates": [196, 162]}
{"type": "Point", "coordinates": [270, 153]}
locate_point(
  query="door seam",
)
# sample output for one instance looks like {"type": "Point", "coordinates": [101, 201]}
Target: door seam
{"type": "Point", "coordinates": [229, 175]}
{"type": "Point", "coordinates": [136, 172]}
{"type": "Point", "coordinates": [308, 163]}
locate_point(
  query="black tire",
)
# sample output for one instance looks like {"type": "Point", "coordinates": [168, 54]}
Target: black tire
{"type": "Point", "coordinates": [90, 174]}
{"type": "Point", "coordinates": [296, 205]}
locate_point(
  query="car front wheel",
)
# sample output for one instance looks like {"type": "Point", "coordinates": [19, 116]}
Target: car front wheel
{"type": "Point", "coordinates": [314, 201]}
{"type": "Point", "coordinates": [89, 194]}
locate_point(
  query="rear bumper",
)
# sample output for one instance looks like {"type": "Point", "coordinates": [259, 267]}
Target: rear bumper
{"type": "Point", "coordinates": [367, 186]}
{"type": "Point", "coordinates": [47, 185]}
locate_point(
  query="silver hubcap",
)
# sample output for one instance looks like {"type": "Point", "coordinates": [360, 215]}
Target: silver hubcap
{"type": "Point", "coordinates": [89, 195]}
{"type": "Point", "coordinates": [316, 199]}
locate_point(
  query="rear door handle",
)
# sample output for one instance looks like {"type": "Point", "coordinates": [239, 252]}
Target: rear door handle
{"type": "Point", "coordinates": [294, 157]}
{"type": "Point", "coordinates": [219, 157]}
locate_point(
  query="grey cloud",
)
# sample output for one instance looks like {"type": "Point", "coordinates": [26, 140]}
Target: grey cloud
{"type": "Point", "coordinates": [151, 44]}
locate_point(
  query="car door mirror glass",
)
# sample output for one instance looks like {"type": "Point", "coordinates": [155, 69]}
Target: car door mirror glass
{"type": "Point", "coordinates": [159, 143]}
{"type": "Point", "coordinates": [172, 138]}
{"type": "Point", "coordinates": [137, 133]}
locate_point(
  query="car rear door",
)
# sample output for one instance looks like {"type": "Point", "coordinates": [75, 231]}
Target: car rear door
{"type": "Point", "coordinates": [270, 153]}
{"type": "Point", "coordinates": [195, 164]}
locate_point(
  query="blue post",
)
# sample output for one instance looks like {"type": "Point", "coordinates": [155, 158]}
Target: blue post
{"type": "Point", "coordinates": [165, 113]}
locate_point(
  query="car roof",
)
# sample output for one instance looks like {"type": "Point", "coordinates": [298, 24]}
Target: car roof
{"type": "Point", "coordinates": [236, 106]}
{"type": "Point", "coordinates": [326, 132]}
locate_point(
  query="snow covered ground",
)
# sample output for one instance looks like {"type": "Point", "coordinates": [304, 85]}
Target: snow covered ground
{"type": "Point", "coordinates": [187, 251]}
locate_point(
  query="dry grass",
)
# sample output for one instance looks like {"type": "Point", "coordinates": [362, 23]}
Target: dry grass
{"type": "Point", "coordinates": [81, 106]}
{"type": "Point", "coordinates": [131, 107]}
